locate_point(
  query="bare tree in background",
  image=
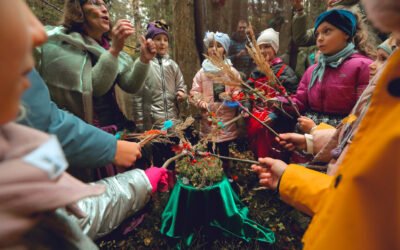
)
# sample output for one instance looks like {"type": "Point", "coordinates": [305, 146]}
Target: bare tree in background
{"type": "Point", "coordinates": [184, 49]}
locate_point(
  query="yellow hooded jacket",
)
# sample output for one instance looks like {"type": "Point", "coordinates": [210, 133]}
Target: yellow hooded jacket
{"type": "Point", "coordinates": [358, 208]}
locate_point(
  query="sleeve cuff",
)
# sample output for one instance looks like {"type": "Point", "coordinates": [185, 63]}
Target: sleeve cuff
{"type": "Point", "coordinates": [309, 143]}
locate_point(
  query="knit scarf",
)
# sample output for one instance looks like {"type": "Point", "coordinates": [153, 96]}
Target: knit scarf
{"type": "Point", "coordinates": [209, 67]}
{"type": "Point", "coordinates": [332, 61]}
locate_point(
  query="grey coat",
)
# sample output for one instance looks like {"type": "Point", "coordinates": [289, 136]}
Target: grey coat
{"type": "Point", "coordinates": [156, 101]}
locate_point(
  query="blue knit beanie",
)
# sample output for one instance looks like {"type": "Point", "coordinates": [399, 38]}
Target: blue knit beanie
{"type": "Point", "coordinates": [344, 20]}
{"type": "Point", "coordinates": [387, 46]}
{"type": "Point", "coordinates": [220, 37]}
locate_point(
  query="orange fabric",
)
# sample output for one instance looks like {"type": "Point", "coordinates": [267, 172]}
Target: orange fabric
{"type": "Point", "coordinates": [360, 209]}
{"type": "Point", "coordinates": [302, 188]}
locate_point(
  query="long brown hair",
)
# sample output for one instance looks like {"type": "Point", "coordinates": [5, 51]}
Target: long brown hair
{"type": "Point", "coordinates": [73, 18]}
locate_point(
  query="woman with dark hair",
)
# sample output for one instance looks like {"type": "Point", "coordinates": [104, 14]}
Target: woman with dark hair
{"type": "Point", "coordinates": [81, 64]}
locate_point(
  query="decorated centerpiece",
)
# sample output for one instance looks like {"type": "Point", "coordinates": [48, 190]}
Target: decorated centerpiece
{"type": "Point", "coordinates": [200, 171]}
{"type": "Point", "coordinates": [202, 197]}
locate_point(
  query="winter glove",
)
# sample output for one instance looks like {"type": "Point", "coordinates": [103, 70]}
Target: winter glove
{"type": "Point", "coordinates": [158, 178]}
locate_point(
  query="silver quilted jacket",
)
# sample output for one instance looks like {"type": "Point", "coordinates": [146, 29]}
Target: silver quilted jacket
{"type": "Point", "coordinates": [125, 194]}
{"type": "Point", "coordinates": [156, 101]}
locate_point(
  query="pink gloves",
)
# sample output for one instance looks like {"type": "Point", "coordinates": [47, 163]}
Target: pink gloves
{"type": "Point", "coordinates": [158, 178]}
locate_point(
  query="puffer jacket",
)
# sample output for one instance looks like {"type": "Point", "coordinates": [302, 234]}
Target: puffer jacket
{"type": "Point", "coordinates": [260, 139]}
{"type": "Point", "coordinates": [126, 193]}
{"type": "Point", "coordinates": [77, 69]}
{"type": "Point", "coordinates": [358, 207]}
{"type": "Point", "coordinates": [339, 89]}
{"type": "Point", "coordinates": [285, 74]}
{"type": "Point", "coordinates": [156, 101]}
{"type": "Point", "coordinates": [203, 86]}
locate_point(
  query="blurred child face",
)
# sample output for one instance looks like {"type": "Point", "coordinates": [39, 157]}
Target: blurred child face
{"type": "Point", "coordinates": [161, 42]}
{"type": "Point", "coordinates": [330, 40]}
{"type": "Point", "coordinates": [216, 49]}
{"type": "Point", "coordinates": [384, 14]}
{"type": "Point", "coordinates": [381, 58]}
{"type": "Point", "coordinates": [16, 59]}
{"type": "Point", "coordinates": [267, 51]}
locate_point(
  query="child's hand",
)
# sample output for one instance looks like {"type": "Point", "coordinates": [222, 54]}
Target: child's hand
{"type": "Point", "coordinates": [127, 153]}
{"type": "Point", "coordinates": [269, 172]}
{"type": "Point", "coordinates": [291, 141]}
{"type": "Point", "coordinates": [203, 105]}
{"type": "Point", "coordinates": [147, 50]}
{"type": "Point", "coordinates": [244, 114]}
{"type": "Point", "coordinates": [158, 178]}
{"type": "Point", "coordinates": [180, 96]}
{"type": "Point", "coordinates": [305, 124]}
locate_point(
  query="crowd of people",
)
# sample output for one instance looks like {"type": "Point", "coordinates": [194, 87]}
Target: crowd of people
{"type": "Point", "coordinates": [60, 109]}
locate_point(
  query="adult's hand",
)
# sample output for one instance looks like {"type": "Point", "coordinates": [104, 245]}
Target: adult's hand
{"type": "Point", "coordinates": [291, 141]}
{"type": "Point", "coordinates": [269, 172]}
{"type": "Point", "coordinates": [120, 32]}
{"type": "Point", "coordinates": [147, 50]}
{"type": "Point", "coordinates": [243, 52]}
{"type": "Point", "coordinates": [127, 153]}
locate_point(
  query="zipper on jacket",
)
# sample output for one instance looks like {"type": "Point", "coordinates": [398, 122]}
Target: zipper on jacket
{"type": "Point", "coordinates": [163, 87]}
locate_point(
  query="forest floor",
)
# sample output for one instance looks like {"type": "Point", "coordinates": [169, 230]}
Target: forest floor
{"type": "Point", "coordinates": [265, 208]}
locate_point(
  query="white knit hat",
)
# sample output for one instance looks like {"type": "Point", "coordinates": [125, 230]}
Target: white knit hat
{"type": "Point", "coordinates": [269, 36]}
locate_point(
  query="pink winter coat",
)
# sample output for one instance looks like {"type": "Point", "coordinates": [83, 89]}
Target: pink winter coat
{"type": "Point", "coordinates": [203, 86]}
{"type": "Point", "coordinates": [339, 90]}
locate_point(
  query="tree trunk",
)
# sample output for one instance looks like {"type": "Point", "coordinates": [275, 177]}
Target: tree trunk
{"type": "Point", "coordinates": [137, 18]}
{"type": "Point", "coordinates": [185, 52]}
{"type": "Point", "coordinates": [239, 12]}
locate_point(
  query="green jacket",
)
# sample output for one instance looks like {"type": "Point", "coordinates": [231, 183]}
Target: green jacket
{"type": "Point", "coordinates": [76, 69]}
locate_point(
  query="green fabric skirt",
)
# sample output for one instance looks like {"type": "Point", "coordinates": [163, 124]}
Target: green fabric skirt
{"type": "Point", "coordinates": [190, 209]}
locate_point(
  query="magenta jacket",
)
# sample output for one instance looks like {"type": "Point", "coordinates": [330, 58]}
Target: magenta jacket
{"type": "Point", "coordinates": [339, 90]}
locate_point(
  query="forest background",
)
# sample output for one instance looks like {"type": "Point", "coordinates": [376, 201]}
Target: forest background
{"type": "Point", "coordinates": [188, 21]}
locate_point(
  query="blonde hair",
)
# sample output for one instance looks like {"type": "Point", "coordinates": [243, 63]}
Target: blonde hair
{"type": "Point", "coordinates": [361, 39]}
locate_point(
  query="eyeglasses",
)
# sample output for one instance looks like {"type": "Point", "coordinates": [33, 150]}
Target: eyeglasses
{"type": "Point", "coordinates": [161, 24]}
